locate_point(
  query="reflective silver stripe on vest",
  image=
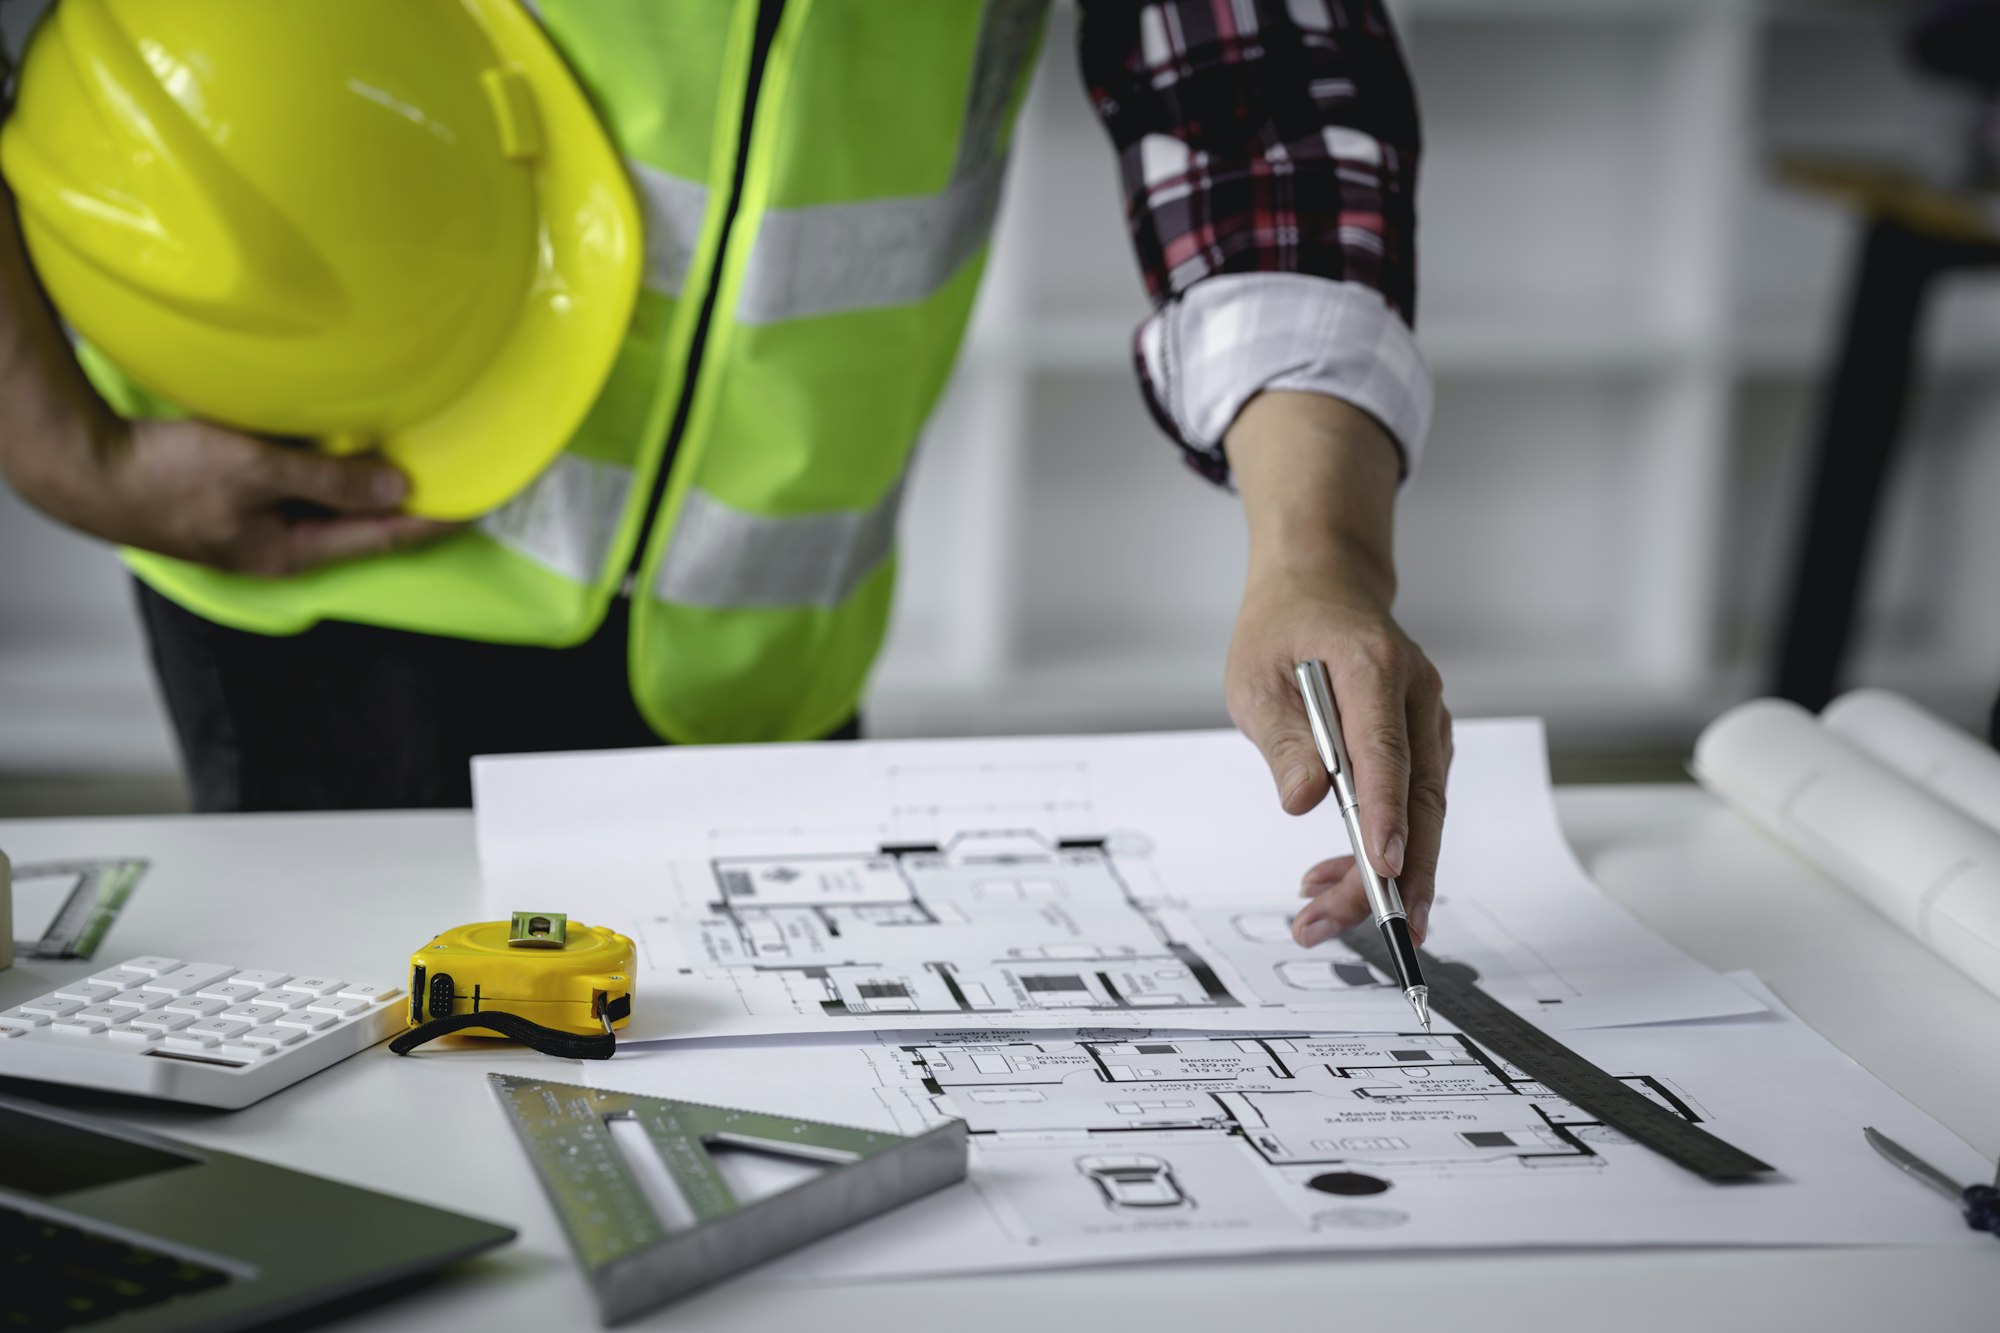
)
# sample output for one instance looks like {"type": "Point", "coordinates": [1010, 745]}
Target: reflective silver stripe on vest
{"type": "Point", "coordinates": [1009, 31]}
{"type": "Point", "coordinates": [671, 209]}
{"type": "Point", "coordinates": [721, 556]}
{"type": "Point", "coordinates": [567, 518]}
{"type": "Point", "coordinates": [862, 256]}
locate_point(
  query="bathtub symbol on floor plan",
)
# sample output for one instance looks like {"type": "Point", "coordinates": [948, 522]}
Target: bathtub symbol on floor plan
{"type": "Point", "coordinates": [1134, 1180]}
{"type": "Point", "coordinates": [1324, 974]}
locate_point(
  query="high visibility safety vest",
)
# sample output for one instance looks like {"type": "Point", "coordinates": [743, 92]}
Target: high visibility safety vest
{"type": "Point", "coordinates": [819, 179]}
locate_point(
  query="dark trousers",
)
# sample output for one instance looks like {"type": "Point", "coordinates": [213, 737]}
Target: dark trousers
{"type": "Point", "coordinates": [353, 717]}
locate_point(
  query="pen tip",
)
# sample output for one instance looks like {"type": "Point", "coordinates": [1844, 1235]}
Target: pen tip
{"type": "Point", "coordinates": [1420, 1000]}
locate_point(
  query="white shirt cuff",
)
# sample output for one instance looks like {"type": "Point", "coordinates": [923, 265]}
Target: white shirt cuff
{"type": "Point", "coordinates": [1234, 335]}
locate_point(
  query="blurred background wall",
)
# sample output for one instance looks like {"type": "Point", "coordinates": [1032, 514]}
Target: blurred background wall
{"type": "Point", "coordinates": [1628, 318]}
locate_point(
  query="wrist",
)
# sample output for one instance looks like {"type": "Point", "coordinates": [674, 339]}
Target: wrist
{"type": "Point", "coordinates": [1319, 479]}
{"type": "Point", "coordinates": [67, 468]}
{"type": "Point", "coordinates": [1345, 567]}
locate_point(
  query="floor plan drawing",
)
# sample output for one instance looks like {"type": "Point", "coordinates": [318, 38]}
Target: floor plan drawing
{"type": "Point", "coordinates": [1081, 946]}
{"type": "Point", "coordinates": [1004, 927]}
{"type": "Point", "coordinates": [1011, 926]}
{"type": "Point", "coordinates": [1141, 881]}
{"type": "Point", "coordinates": [987, 924]}
{"type": "Point", "coordinates": [1267, 1131]}
{"type": "Point", "coordinates": [1100, 1144]}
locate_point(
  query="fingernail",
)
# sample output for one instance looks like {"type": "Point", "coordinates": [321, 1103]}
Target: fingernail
{"type": "Point", "coordinates": [1420, 920]}
{"type": "Point", "coordinates": [389, 487]}
{"type": "Point", "coordinates": [1317, 931]}
{"type": "Point", "coordinates": [1392, 856]}
{"type": "Point", "coordinates": [1295, 782]}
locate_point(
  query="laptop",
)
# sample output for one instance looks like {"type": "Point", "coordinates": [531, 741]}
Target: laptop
{"type": "Point", "coordinates": [118, 1230]}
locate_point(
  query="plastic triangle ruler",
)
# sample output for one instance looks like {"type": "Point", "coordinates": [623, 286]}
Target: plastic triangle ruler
{"type": "Point", "coordinates": [1504, 1033]}
{"type": "Point", "coordinates": [634, 1261]}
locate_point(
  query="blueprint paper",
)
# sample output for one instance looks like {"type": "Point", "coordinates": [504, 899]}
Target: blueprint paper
{"type": "Point", "coordinates": [1115, 1147]}
{"type": "Point", "coordinates": [1929, 751]}
{"type": "Point", "coordinates": [1142, 881]}
{"type": "Point", "coordinates": [1919, 860]}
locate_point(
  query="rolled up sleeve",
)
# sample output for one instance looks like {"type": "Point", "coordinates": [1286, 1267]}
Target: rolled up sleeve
{"type": "Point", "coordinates": [1268, 151]}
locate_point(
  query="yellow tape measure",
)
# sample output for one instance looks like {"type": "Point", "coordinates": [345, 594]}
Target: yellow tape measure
{"type": "Point", "coordinates": [540, 968]}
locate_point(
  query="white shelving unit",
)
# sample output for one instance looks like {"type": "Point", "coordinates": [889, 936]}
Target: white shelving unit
{"type": "Point", "coordinates": [1627, 321]}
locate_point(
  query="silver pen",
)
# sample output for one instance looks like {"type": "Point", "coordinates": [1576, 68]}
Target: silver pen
{"type": "Point", "coordinates": [1385, 903]}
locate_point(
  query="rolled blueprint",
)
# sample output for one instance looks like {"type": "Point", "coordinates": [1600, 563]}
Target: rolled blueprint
{"type": "Point", "coordinates": [1923, 747]}
{"type": "Point", "coordinates": [1915, 858]}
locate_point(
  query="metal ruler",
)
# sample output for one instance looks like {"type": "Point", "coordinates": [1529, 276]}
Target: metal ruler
{"type": "Point", "coordinates": [1455, 995]}
{"type": "Point", "coordinates": [634, 1261]}
{"type": "Point", "coordinates": [87, 911]}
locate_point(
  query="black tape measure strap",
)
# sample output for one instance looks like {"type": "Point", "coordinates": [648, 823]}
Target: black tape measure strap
{"type": "Point", "coordinates": [547, 1040]}
{"type": "Point", "coordinates": [1491, 1024]}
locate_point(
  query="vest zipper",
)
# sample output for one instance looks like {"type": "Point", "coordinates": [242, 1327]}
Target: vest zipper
{"type": "Point", "coordinates": [768, 12]}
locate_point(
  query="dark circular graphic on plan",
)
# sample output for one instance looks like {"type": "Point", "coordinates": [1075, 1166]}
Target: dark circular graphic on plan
{"type": "Point", "coordinates": [1347, 1182]}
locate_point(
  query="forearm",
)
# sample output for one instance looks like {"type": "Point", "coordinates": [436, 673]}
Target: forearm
{"type": "Point", "coordinates": [53, 424]}
{"type": "Point", "coordinates": [1318, 478]}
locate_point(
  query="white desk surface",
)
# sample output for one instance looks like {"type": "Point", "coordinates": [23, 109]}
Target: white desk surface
{"type": "Point", "coordinates": [352, 895]}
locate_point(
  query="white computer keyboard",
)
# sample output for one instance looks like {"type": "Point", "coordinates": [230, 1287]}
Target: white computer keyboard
{"type": "Point", "coordinates": [208, 1033]}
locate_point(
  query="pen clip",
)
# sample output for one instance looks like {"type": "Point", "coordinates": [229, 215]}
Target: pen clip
{"type": "Point", "coordinates": [1323, 717]}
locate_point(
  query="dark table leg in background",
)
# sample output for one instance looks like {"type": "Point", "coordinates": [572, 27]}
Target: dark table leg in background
{"type": "Point", "coordinates": [1861, 415]}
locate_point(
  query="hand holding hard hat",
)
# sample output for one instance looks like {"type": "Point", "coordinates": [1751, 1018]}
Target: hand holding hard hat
{"type": "Point", "coordinates": [217, 497]}
{"type": "Point", "coordinates": [388, 226]}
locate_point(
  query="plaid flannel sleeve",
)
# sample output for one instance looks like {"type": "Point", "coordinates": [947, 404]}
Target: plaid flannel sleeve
{"type": "Point", "coordinates": [1269, 151]}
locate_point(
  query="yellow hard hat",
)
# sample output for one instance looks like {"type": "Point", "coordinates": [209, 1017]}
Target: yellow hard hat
{"type": "Point", "coordinates": [376, 224]}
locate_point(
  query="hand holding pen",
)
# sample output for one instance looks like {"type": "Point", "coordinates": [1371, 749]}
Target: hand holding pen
{"type": "Point", "coordinates": [1318, 479]}
{"type": "Point", "coordinates": [1398, 774]}
{"type": "Point", "coordinates": [1385, 902]}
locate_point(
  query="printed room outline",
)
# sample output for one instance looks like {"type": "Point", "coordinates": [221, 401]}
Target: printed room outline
{"type": "Point", "coordinates": [991, 922]}
{"type": "Point", "coordinates": [1365, 1102]}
